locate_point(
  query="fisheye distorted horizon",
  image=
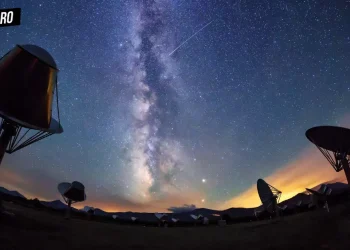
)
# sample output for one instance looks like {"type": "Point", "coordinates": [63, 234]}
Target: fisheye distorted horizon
{"type": "Point", "coordinates": [171, 104]}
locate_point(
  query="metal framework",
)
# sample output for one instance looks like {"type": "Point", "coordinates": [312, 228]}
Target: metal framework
{"type": "Point", "coordinates": [276, 193]}
{"type": "Point", "coordinates": [336, 159]}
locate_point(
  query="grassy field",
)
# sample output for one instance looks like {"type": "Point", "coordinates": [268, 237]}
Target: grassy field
{"type": "Point", "coordinates": [32, 229]}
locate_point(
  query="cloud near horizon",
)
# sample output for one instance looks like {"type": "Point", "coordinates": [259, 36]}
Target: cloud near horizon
{"type": "Point", "coordinates": [181, 209]}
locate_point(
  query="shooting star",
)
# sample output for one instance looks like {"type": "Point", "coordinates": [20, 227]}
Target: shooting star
{"type": "Point", "coordinates": [190, 38]}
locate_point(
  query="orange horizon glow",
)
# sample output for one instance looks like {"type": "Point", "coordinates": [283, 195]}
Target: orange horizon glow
{"type": "Point", "coordinates": [307, 170]}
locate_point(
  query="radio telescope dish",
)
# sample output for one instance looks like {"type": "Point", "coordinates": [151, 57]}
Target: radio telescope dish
{"type": "Point", "coordinates": [160, 216]}
{"type": "Point", "coordinates": [28, 80]}
{"type": "Point", "coordinates": [319, 197]}
{"type": "Point", "coordinates": [269, 196]}
{"type": "Point", "coordinates": [71, 193]}
{"type": "Point", "coordinates": [195, 217]}
{"type": "Point", "coordinates": [334, 144]}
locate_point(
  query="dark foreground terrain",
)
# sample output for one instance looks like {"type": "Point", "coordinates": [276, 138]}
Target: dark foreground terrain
{"type": "Point", "coordinates": [33, 229]}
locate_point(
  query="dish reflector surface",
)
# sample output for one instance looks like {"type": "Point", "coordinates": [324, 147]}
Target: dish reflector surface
{"type": "Point", "coordinates": [332, 138]}
{"type": "Point", "coordinates": [264, 191]}
{"type": "Point", "coordinates": [63, 187]}
{"type": "Point", "coordinates": [74, 191]}
{"type": "Point", "coordinates": [159, 215]}
{"type": "Point", "coordinates": [194, 216]}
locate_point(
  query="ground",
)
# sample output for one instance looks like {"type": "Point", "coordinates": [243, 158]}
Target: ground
{"type": "Point", "coordinates": [33, 229]}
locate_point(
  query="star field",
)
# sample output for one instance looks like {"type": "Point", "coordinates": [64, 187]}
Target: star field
{"type": "Point", "coordinates": [145, 130]}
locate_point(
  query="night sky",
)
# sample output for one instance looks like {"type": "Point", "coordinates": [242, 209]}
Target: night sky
{"type": "Point", "coordinates": [150, 125]}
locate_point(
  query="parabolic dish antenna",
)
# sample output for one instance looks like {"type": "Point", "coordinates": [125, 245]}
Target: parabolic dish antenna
{"type": "Point", "coordinates": [133, 218]}
{"type": "Point", "coordinates": [71, 193]}
{"type": "Point", "coordinates": [114, 216]}
{"type": "Point", "coordinates": [320, 196]}
{"type": "Point", "coordinates": [195, 217]}
{"type": "Point", "coordinates": [269, 196]}
{"type": "Point", "coordinates": [160, 216]}
{"type": "Point", "coordinates": [174, 220]}
{"type": "Point", "coordinates": [28, 80]}
{"type": "Point", "coordinates": [334, 144]}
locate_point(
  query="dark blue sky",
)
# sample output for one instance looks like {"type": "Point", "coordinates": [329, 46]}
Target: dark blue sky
{"type": "Point", "coordinates": [144, 128]}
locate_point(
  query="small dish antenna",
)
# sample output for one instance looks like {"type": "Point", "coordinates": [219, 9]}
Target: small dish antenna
{"type": "Point", "coordinates": [161, 218]}
{"type": "Point", "coordinates": [334, 144]}
{"type": "Point", "coordinates": [133, 219]}
{"type": "Point", "coordinates": [114, 216]}
{"type": "Point", "coordinates": [319, 197]}
{"type": "Point", "coordinates": [72, 193]}
{"type": "Point", "coordinates": [174, 220]}
{"type": "Point", "coordinates": [269, 197]}
{"type": "Point", "coordinates": [28, 80]}
{"type": "Point", "coordinates": [195, 217]}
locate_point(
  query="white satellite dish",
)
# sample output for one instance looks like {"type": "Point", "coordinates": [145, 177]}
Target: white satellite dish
{"type": "Point", "coordinates": [269, 197]}
{"type": "Point", "coordinates": [160, 216]}
{"type": "Point", "coordinates": [114, 216]}
{"type": "Point", "coordinates": [194, 216]}
{"type": "Point", "coordinates": [133, 218]}
{"type": "Point", "coordinates": [174, 220]}
{"type": "Point", "coordinates": [71, 193]}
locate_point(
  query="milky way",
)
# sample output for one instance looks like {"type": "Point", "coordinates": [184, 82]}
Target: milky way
{"type": "Point", "coordinates": [154, 153]}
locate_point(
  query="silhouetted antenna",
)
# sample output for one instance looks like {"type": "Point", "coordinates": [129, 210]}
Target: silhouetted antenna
{"type": "Point", "coordinates": [269, 197]}
{"type": "Point", "coordinates": [72, 193]}
{"type": "Point", "coordinates": [28, 80]}
{"type": "Point", "coordinates": [319, 197]}
{"type": "Point", "coordinates": [334, 144]}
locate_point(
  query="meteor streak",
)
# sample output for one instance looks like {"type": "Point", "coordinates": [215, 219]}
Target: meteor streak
{"type": "Point", "coordinates": [189, 38]}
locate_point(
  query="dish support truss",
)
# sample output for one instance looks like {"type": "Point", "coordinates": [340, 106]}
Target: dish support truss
{"type": "Point", "coordinates": [20, 137]}
{"type": "Point", "coordinates": [339, 160]}
{"type": "Point", "coordinates": [69, 207]}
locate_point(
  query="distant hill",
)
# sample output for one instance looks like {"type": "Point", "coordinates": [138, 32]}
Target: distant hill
{"type": "Point", "coordinates": [13, 193]}
{"type": "Point", "coordinates": [234, 213]}
{"type": "Point", "coordinates": [57, 204]}
{"type": "Point", "coordinates": [100, 212]}
{"type": "Point", "coordinates": [336, 187]}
